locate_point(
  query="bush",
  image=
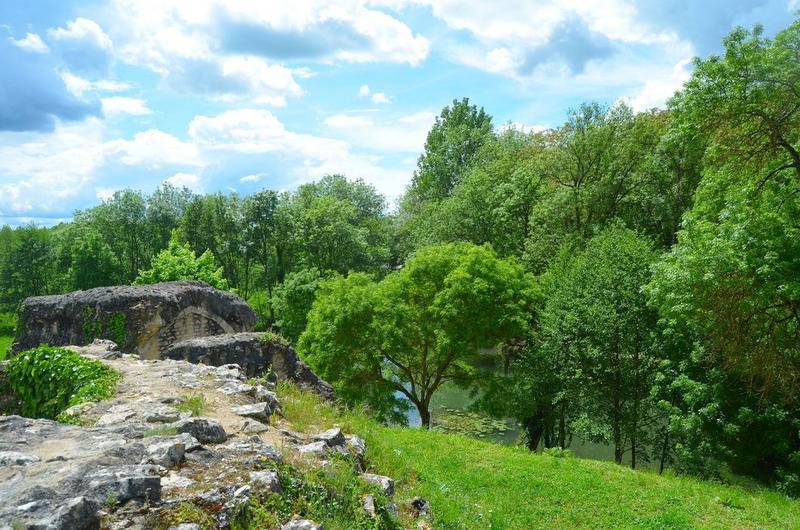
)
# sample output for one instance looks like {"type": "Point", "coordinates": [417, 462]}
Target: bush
{"type": "Point", "coordinates": [47, 380]}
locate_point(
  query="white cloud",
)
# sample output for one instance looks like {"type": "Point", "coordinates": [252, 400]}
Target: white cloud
{"type": "Point", "coordinates": [185, 180]}
{"type": "Point", "coordinates": [82, 29]}
{"type": "Point", "coordinates": [31, 43]}
{"type": "Point", "coordinates": [104, 193]}
{"type": "Point", "coordinates": [78, 85]}
{"type": "Point", "coordinates": [113, 106]}
{"type": "Point", "coordinates": [40, 171]}
{"type": "Point", "coordinates": [657, 91]}
{"type": "Point", "coordinates": [251, 178]}
{"type": "Point", "coordinates": [363, 91]}
{"type": "Point", "coordinates": [257, 131]}
{"type": "Point", "coordinates": [380, 97]}
{"type": "Point", "coordinates": [234, 50]}
{"type": "Point", "coordinates": [404, 134]}
{"type": "Point", "coordinates": [153, 148]}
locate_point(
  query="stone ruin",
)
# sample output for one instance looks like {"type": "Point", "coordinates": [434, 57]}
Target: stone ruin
{"type": "Point", "coordinates": [177, 320]}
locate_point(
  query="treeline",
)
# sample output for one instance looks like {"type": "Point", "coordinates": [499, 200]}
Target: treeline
{"type": "Point", "coordinates": [634, 277]}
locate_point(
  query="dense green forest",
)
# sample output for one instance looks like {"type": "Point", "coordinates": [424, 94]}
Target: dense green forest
{"type": "Point", "coordinates": [634, 277]}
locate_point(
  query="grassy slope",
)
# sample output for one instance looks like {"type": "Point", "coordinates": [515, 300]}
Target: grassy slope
{"type": "Point", "coordinates": [5, 342]}
{"type": "Point", "coordinates": [473, 484]}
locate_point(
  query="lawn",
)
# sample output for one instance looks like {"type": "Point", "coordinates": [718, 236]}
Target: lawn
{"type": "Point", "coordinates": [473, 484]}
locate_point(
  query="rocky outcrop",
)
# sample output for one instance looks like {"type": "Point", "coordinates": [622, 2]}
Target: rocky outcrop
{"type": "Point", "coordinates": [142, 452]}
{"type": "Point", "coordinates": [145, 319]}
{"type": "Point", "coordinates": [255, 353]}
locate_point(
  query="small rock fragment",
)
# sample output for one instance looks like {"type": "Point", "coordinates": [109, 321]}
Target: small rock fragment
{"type": "Point", "coordinates": [301, 524]}
{"type": "Point", "coordinates": [258, 411]}
{"type": "Point", "coordinates": [205, 430]}
{"type": "Point", "coordinates": [266, 479]}
{"type": "Point", "coordinates": [314, 448]}
{"type": "Point", "coordinates": [253, 426]}
{"type": "Point", "coordinates": [386, 484]}
{"type": "Point", "coordinates": [332, 437]}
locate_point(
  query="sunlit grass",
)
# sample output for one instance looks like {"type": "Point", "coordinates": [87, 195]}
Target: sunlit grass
{"type": "Point", "coordinates": [476, 484]}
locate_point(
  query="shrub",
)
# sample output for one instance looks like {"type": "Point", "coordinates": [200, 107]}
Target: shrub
{"type": "Point", "coordinates": [47, 380]}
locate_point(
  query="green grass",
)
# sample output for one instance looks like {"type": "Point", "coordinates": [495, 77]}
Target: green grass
{"type": "Point", "coordinates": [195, 404]}
{"type": "Point", "coordinates": [5, 343]}
{"type": "Point", "coordinates": [476, 484]}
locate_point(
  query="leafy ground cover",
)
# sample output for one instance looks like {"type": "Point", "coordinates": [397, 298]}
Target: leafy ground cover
{"type": "Point", "coordinates": [477, 484]}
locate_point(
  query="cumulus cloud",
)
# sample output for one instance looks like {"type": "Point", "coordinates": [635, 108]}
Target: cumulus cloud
{"type": "Point", "coordinates": [185, 180]}
{"type": "Point", "coordinates": [233, 50]}
{"type": "Point", "coordinates": [114, 106]}
{"type": "Point", "coordinates": [251, 178]}
{"type": "Point", "coordinates": [31, 43]}
{"type": "Point", "coordinates": [380, 97]}
{"type": "Point", "coordinates": [83, 45]}
{"type": "Point", "coordinates": [33, 96]}
{"type": "Point", "coordinates": [405, 134]}
{"type": "Point", "coordinates": [153, 148]}
{"type": "Point", "coordinates": [363, 91]}
{"type": "Point", "coordinates": [43, 174]}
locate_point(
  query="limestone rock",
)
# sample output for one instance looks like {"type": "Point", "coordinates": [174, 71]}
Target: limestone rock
{"type": "Point", "coordinates": [385, 483]}
{"type": "Point", "coordinates": [15, 458]}
{"type": "Point", "coordinates": [257, 411]}
{"type": "Point", "coordinates": [253, 426]}
{"type": "Point", "coordinates": [266, 479]}
{"type": "Point", "coordinates": [205, 430]}
{"type": "Point", "coordinates": [301, 524]}
{"type": "Point", "coordinates": [332, 437]}
{"type": "Point", "coordinates": [124, 483]}
{"type": "Point", "coordinates": [318, 449]}
{"type": "Point", "coordinates": [165, 451]}
{"type": "Point", "coordinates": [155, 316]}
{"type": "Point", "coordinates": [254, 355]}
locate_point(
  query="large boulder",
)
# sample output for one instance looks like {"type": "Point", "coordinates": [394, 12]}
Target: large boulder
{"type": "Point", "coordinates": [146, 319]}
{"type": "Point", "coordinates": [256, 353]}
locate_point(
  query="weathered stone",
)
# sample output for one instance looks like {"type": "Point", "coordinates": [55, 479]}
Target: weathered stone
{"type": "Point", "coordinates": [385, 483]}
{"type": "Point", "coordinates": [115, 415]}
{"type": "Point", "coordinates": [155, 316]}
{"type": "Point", "coordinates": [420, 507]}
{"type": "Point", "coordinates": [368, 502]}
{"type": "Point", "coordinates": [124, 483]}
{"type": "Point", "coordinates": [332, 437]}
{"type": "Point", "coordinates": [301, 524]}
{"type": "Point", "coordinates": [266, 480]}
{"type": "Point", "coordinates": [257, 411]}
{"type": "Point", "coordinates": [78, 513]}
{"type": "Point", "coordinates": [205, 430]}
{"type": "Point", "coordinates": [253, 426]}
{"type": "Point", "coordinates": [161, 414]}
{"type": "Point", "coordinates": [185, 526]}
{"type": "Point", "coordinates": [165, 451]}
{"type": "Point", "coordinates": [318, 449]}
{"type": "Point", "coordinates": [235, 387]}
{"type": "Point", "coordinates": [254, 355]}
{"type": "Point", "coordinates": [355, 445]}
{"type": "Point", "coordinates": [173, 481]}
{"type": "Point", "coordinates": [15, 458]}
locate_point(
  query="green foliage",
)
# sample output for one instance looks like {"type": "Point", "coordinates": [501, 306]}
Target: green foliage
{"type": "Point", "coordinates": [179, 262]}
{"type": "Point", "coordinates": [93, 263]}
{"type": "Point", "coordinates": [273, 338]}
{"type": "Point", "coordinates": [92, 327]}
{"type": "Point", "coordinates": [116, 328]}
{"type": "Point", "coordinates": [557, 452]}
{"type": "Point", "coordinates": [48, 380]}
{"type": "Point", "coordinates": [330, 495]}
{"type": "Point", "coordinates": [292, 299]}
{"type": "Point", "coordinates": [196, 404]}
{"type": "Point", "coordinates": [452, 143]}
{"type": "Point", "coordinates": [406, 333]}
{"type": "Point", "coordinates": [184, 512]}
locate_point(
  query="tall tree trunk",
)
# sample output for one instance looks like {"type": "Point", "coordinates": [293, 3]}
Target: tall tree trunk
{"type": "Point", "coordinates": [424, 416]}
{"type": "Point", "coordinates": [664, 451]}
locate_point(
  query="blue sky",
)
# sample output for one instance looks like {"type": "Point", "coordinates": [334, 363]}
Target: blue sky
{"type": "Point", "coordinates": [239, 95]}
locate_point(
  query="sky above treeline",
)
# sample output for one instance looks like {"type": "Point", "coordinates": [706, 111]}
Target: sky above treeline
{"type": "Point", "coordinates": [235, 95]}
